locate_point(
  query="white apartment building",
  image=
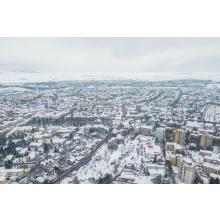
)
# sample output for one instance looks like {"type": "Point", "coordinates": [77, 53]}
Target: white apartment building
{"type": "Point", "coordinates": [186, 171]}
{"type": "Point", "coordinates": [160, 134]}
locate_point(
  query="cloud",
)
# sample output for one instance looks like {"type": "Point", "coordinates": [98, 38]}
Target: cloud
{"type": "Point", "coordinates": [75, 56]}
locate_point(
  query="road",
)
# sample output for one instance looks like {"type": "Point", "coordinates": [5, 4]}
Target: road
{"type": "Point", "coordinates": [169, 167]}
{"type": "Point", "coordinates": [170, 172]}
{"type": "Point", "coordinates": [82, 162]}
{"type": "Point", "coordinates": [37, 162]}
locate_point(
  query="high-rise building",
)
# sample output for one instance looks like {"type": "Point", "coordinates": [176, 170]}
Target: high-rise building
{"type": "Point", "coordinates": [160, 134]}
{"type": "Point", "coordinates": [177, 136]}
{"type": "Point", "coordinates": [202, 140]}
{"type": "Point", "coordinates": [209, 140]}
{"type": "Point", "coordinates": [205, 140]}
{"type": "Point", "coordinates": [187, 170]}
{"type": "Point", "coordinates": [180, 137]}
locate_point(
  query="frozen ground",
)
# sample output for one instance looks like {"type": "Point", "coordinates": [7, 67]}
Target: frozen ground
{"type": "Point", "coordinates": [133, 153]}
{"type": "Point", "coordinates": [20, 77]}
{"type": "Point", "coordinates": [104, 162]}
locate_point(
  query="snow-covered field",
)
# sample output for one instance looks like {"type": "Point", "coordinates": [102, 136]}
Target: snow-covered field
{"type": "Point", "coordinates": [107, 161]}
{"type": "Point", "coordinates": [104, 162]}
{"type": "Point", "coordinates": [20, 77]}
{"type": "Point", "coordinates": [13, 90]}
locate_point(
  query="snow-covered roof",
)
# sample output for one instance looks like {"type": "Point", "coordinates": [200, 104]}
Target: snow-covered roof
{"type": "Point", "coordinates": [9, 157]}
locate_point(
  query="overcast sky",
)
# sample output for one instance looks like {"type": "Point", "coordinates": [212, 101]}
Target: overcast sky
{"type": "Point", "coordinates": [73, 56]}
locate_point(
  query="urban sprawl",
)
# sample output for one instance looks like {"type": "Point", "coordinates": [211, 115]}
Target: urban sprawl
{"type": "Point", "coordinates": [162, 132]}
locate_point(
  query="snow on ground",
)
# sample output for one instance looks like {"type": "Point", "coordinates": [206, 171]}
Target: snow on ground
{"type": "Point", "coordinates": [12, 89]}
{"type": "Point", "coordinates": [197, 157]}
{"type": "Point", "coordinates": [67, 180]}
{"type": "Point", "coordinates": [104, 162]}
{"type": "Point", "coordinates": [213, 114]}
{"type": "Point", "coordinates": [133, 177]}
{"type": "Point", "coordinates": [24, 77]}
{"type": "Point", "coordinates": [107, 161]}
